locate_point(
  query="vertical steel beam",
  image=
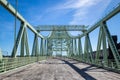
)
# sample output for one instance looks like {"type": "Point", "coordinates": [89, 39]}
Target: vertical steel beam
{"type": "Point", "coordinates": [112, 45]}
{"type": "Point", "coordinates": [22, 49]}
{"type": "Point", "coordinates": [90, 51]}
{"type": "Point", "coordinates": [105, 53]}
{"type": "Point", "coordinates": [26, 44]}
{"type": "Point", "coordinates": [86, 49]}
{"type": "Point", "coordinates": [96, 55]}
{"type": "Point", "coordinates": [98, 46]}
{"type": "Point", "coordinates": [80, 48]}
{"type": "Point", "coordinates": [35, 50]}
{"type": "Point", "coordinates": [1, 55]}
{"type": "Point", "coordinates": [46, 47]}
{"type": "Point", "coordinates": [41, 47]}
{"type": "Point", "coordinates": [19, 36]}
{"type": "Point", "coordinates": [37, 47]}
{"type": "Point", "coordinates": [77, 51]}
{"type": "Point", "coordinates": [61, 46]}
{"type": "Point", "coordinates": [75, 46]}
{"type": "Point", "coordinates": [72, 48]}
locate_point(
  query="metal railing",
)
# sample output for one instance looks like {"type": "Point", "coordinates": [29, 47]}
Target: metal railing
{"type": "Point", "coordinates": [11, 63]}
{"type": "Point", "coordinates": [111, 65]}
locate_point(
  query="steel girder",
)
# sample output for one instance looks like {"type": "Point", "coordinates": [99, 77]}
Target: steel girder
{"type": "Point", "coordinates": [35, 49]}
{"type": "Point", "coordinates": [22, 35]}
{"type": "Point", "coordinates": [41, 47]}
{"type": "Point", "coordinates": [24, 44]}
{"type": "Point", "coordinates": [88, 57]}
{"type": "Point", "coordinates": [79, 48]}
{"type": "Point", "coordinates": [12, 10]}
{"type": "Point", "coordinates": [19, 37]}
{"type": "Point", "coordinates": [1, 55]}
{"type": "Point", "coordinates": [104, 35]}
{"type": "Point", "coordinates": [60, 33]}
{"type": "Point", "coordinates": [112, 44]}
{"type": "Point", "coordinates": [61, 28]}
{"type": "Point", "coordinates": [104, 19]}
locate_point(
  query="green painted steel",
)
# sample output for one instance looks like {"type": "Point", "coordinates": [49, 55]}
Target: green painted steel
{"type": "Point", "coordinates": [12, 10]}
{"type": "Point", "coordinates": [60, 41]}
{"type": "Point", "coordinates": [104, 43]}
{"type": "Point", "coordinates": [41, 47]}
{"type": "Point", "coordinates": [80, 48]}
{"type": "Point", "coordinates": [89, 50]}
{"type": "Point", "coordinates": [12, 63]}
{"type": "Point", "coordinates": [61, 28]}
{"type": "Point", "coordinates": [1, 55]}
{"type": "Point", "coordinates": [35, 49]}
{"type": "Point", "coordinates": [112, 45]}
{"type": "Point", "coordinates": [20, 34]}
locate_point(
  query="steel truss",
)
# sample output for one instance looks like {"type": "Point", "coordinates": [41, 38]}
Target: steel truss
{"type": "Point", "coordinates": [61, 40]}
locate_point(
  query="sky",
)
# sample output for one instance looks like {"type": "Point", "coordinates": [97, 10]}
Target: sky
{"type": "Point", "coordinates": [57, 12]}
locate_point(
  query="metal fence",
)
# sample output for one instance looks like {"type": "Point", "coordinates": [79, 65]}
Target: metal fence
{"type": "Point", "coordinates": [11, 63]}
{"type": "Point", "coordinates": [111, 65]}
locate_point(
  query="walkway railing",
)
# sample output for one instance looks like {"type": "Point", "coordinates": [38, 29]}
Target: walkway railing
{"type": "Point", "coordinates": [12, 63]}
{"type": "Point", "coordinates": [111, 66]}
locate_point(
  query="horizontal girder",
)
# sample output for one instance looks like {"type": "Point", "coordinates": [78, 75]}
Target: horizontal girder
{"type": "Point", "coordinates": [61, 28]}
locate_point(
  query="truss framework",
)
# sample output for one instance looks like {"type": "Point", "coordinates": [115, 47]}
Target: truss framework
{"type": "Point", "coordinates": [61, 40]}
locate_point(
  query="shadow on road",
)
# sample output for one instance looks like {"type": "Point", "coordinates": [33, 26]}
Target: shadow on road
{"type": "Point", "coordinates": [81, 71]}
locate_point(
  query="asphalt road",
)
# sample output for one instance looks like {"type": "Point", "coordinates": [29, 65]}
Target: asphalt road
{"type": "Point", "coordinates": [60, 69]}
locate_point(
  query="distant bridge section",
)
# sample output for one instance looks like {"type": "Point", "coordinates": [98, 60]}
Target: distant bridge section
{"type": "Point", "coordinates": [61, 28]}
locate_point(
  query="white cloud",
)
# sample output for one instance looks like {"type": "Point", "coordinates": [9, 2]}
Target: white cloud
{"type": "Point", "coordinates": [75, 4]}
{"type": "Point", "coordinates": [82, 9]}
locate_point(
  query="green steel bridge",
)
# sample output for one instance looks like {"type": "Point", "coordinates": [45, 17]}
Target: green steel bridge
{"type": "Point", "coordinates": [60, 42]}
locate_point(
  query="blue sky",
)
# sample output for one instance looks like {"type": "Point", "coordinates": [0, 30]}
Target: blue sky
{"type": "Point", "coordinates": [49, 12]}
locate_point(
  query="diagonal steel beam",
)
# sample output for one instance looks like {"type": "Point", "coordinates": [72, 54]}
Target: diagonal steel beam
{"type": "Point", "coordinates": [107, 17]}
{"type": "Point", "coordinates": [12, 10]}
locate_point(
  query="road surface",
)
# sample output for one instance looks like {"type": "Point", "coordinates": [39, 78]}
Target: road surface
{"type": "Point", "coordinates": [57, 69]}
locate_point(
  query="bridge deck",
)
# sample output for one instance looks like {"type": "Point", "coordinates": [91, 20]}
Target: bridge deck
{"type": "Point", "coordinates": [56, 69]}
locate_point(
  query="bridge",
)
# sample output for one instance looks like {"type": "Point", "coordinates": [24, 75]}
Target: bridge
{"type": "Point", "coordinates": [60, 55]}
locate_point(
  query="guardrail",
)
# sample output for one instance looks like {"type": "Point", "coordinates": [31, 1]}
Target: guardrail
{"type": "Point", "coordinates": [110, 66]}
{"type": "Point", "coordinates": [11, 63]}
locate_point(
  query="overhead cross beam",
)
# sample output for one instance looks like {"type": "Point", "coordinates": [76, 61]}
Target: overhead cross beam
{"type": "Point", "coordinates": [61, 28]}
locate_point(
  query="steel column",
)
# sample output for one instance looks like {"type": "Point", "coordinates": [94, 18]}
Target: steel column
{"type": "Point", "coordinates": [80, 51]}
{"type": "Point", "coordinates": [24, 44]}
{"type": "Point", "coordinates": [75, 46]}
{"type": "Point", "coordinates": [90, 51]}
{"type": "Point", "coordinates": [1, 55]}
{"type": "Point", "coordinates": [41, 47]}
{"type": "Point", "coordinates": [112, 45]}
{"type": "Point", "coordinates": [98, 46]}
{"type": "Point", "coordinates": [105, 53]}
{"type": "Point", "coordinates": [19, 36]}
{"type": "Point", "coordinates": [35, 50]}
